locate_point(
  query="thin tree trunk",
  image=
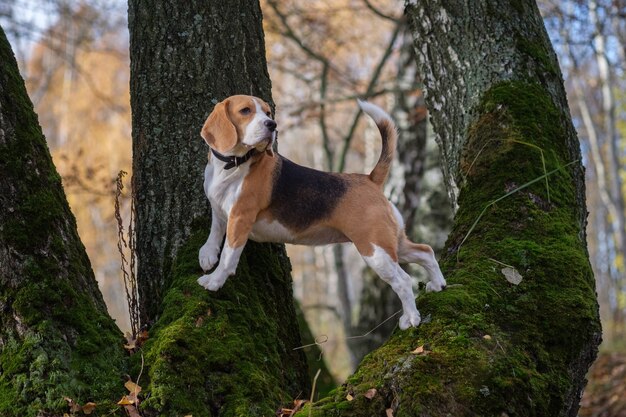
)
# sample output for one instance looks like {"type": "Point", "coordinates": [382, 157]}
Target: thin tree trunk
{"type": "Point", "coordinates": [517, 328]}
{"type": "Point", "coordinates": [56, 337]}
{"type": "Point", "coordinates": [228, 352]}
{"type": "Point", "coordinates": [610, 129]}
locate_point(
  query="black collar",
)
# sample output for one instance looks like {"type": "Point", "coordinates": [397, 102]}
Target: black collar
{"type": "Point", "coordinates": [234, 161]}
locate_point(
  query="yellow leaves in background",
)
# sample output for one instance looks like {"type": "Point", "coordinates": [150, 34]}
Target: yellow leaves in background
{"type": "Point", "coordinates": [83, 101]}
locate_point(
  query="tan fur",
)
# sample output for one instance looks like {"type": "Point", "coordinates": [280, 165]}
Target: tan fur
{"type": "Point", "coordinates": [255, 197]}
{"type": "Point", "coordinates": [225, 126]}
{"type": "Point", "coordinates": [389, 137]}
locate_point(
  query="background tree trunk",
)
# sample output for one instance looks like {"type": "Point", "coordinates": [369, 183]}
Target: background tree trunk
{"type": "Point", "coordinates": [56, 338]}
{"type": "Point", "coordinates": [229, 352]}
{"type": "Point", "coordinates": [490, 344]}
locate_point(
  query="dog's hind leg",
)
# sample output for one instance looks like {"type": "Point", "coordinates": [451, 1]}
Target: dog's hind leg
{"type": "Point", "coordinates": [390, 272]}
{"type": "Point", "coordinates": [409, 252]}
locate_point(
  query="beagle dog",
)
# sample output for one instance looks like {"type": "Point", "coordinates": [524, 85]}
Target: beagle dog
{"type": "Point", "coordinates": [260, 195]}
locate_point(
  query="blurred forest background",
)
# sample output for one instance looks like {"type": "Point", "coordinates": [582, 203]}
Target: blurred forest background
{"type": "Point", "coordinates": [322, 54]}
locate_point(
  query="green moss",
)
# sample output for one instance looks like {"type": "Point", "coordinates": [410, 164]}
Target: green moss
{"type": "Point", "coordinates": [539, 53]}
{"type": "Point", "coordinates": [228, 352]}
{"type": "Point", "coordinates": [57, 339]}
{"type": "Point", "coordinates": [496, 347]}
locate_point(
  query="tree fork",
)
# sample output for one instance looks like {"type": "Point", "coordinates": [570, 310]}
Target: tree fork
{"type": "Point", "coordinates": [490, 345]}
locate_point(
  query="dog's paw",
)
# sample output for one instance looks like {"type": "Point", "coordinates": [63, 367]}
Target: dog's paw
{"type": "Point", "coordinates": [409, 320]}
{"type": "Point", "coordinates": [436, 286]}
{"type": "Point", "coordinates": [208, 256]}
{"type": "Point", "coordinates": [212, 282]}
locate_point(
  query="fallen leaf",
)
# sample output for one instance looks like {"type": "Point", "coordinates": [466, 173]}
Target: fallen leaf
{"type": "Point", "coordinates": [349, 397]}
{"type": "Point", "coordinates": [89, 407]}
{"type": "Point", "coordinates": [132, 411]}
{"type": "Point", "coordinates": [134, 343]}
{"type": "Point", "coordinates": [389, 412]}
{"type": "Point", "coordinates": [512, 275]}
{"type": "Point", "coordinates": [74, 407]}
{"type": "Point", "coordinates": [126, 400]}
{"type": "Point", "coordinates": [420, 351]}
{"type": "Point", "coordinates": [371, 393]}
{"type": "Point", "coordinates": [132, 387]}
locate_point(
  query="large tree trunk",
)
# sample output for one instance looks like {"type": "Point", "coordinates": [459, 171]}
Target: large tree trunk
{"type": "Point", "coordinates": [229, 352]}
{"type": "Point", "coordinates": [56, 338]}
{"type": "Point", "coordinates": [185, 58]}
{"type": "Point", "coordinates": [488, 346]}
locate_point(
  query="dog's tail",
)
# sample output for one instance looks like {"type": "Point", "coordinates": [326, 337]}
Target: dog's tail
{"type": "Point", "coordinates": [389, 137]}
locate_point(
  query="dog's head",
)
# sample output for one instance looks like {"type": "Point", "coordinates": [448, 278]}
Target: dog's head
{"type": "Point", "coordinates": [239, 123]}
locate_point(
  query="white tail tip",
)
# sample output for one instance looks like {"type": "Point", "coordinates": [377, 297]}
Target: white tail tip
{"type": "Point", "coordinates": [373, 111]}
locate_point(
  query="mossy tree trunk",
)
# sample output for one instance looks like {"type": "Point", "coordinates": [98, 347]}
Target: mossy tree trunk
{"type": "Point", "coordinates": [491, 347]}
{"type": "Point", "coordinates": [56, 338]}
{"type": "Point", "coordinates": [231, 352]}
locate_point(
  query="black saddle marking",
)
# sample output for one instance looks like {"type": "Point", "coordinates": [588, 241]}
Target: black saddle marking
{"type": "Point", "coordinates": [302, 196]}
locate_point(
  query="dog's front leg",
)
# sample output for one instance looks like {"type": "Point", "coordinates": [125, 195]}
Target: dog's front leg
{"type": "Point", "coordinates": [237, 231]}
{"type": "Point", "coordinates": [209, 252]}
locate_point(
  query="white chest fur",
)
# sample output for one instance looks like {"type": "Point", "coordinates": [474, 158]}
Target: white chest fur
{"type": "Point", "coordinates": [223, 186]}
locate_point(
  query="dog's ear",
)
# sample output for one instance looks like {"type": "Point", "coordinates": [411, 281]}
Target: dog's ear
{"type": "Point", "coordinates": [218, 130]}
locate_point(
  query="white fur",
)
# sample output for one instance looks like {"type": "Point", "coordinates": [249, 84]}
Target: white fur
{"type": "Point", "coordinates": [398, 216]}
{"type": "Point", "coordinates": [256, 131]}
{"type": "Point", "coordinates": [226, 267]}
{"type": "Point", "coordinates": [427, 260]}
{"type": "Point", "coordinates": [390, 272]}
{"type": "Point", "coordinates": [274, 231]}
{"type": "Point", "coordinates": [374, 111]}
{"type": "Point", "coordinates": [209, 252]}
{"type": "Point", "coordinates": [222, 187]}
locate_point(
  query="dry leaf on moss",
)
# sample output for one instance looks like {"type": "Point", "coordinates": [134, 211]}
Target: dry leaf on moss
{"type": "Point", "coordinates": [126, 400]}
{"type": "Point", "coordinates": [349, 397]}
{"type": "Point", "coordinates": [89, 407]}
{"type": "Point", "coordinates": [389, 412]}
{"type": "Point", "coordinates": [74, 406]}
{"type": "Point", "coordinates": [420, 351]}
{"type": "Point", "coordinates": [132, 411]}
{"type": "Point", "coordinates": [132, 387]}
{"type": "Point", "coordinates": [371, 393]}
{"type": "Point", "coordinates": [512, 275]}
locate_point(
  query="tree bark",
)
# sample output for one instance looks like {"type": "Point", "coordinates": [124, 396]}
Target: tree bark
{"type": "Point", "coordinates": [229, 352]}
{"type": "Point", "coordinates": [185, 58]}
{"type": "Point", "coordinates": [490, 344]}
{"type": "Point", "coordinates": [56, 337]}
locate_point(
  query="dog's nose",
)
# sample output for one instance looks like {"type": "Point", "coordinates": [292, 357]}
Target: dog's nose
{"type": "Point", "coordinates": [270, 124]}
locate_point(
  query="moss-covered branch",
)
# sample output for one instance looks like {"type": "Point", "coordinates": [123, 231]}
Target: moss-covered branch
{"type": "Point", "coordinates": [56, 338]}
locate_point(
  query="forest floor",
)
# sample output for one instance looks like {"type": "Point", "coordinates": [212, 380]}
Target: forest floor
{"type": "Point", "coordinates": [605, 395]}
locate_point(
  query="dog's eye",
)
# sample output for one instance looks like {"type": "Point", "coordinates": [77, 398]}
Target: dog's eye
{"type": "Point", "coordinates": [245, 110]}
{"type": "Point", "coordinates": [268, 114]}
